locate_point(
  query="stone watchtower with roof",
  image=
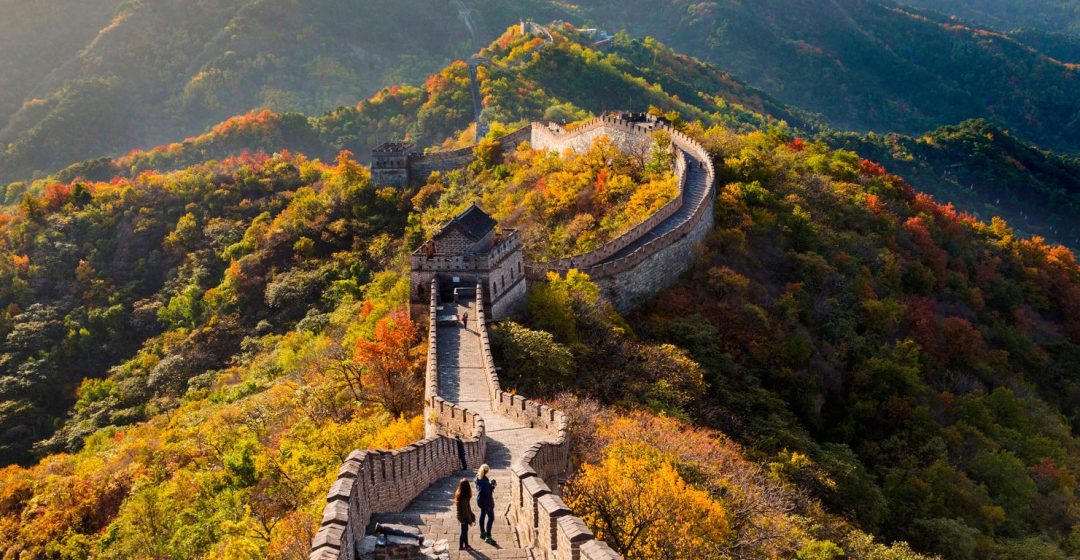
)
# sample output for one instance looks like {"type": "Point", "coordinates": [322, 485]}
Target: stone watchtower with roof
{"type": "Point", "coordinates": [390, 164]}
{"type": "Point", "coordinates": [470, 249]}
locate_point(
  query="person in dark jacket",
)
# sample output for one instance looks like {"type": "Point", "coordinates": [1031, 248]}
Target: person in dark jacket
{"type": "Point", "coordinates": [465, 515]}
{"type": "Point", "coordinates": [485, 498]}
{"type": "Point", "coordinates": [461, 453]}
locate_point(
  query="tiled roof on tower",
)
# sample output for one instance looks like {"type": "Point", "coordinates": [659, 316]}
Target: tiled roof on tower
{"type": "Point", "coordinates": [392, 147]}
{"type": "Point", "coordinates": [473, 222]}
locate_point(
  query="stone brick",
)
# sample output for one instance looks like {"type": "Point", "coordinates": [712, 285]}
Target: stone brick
{"type": "Point", "coordinates": [597, 550]}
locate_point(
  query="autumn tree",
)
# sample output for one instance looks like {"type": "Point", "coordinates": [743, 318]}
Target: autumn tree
{"type": "Point", "coordinates": [390, 365]}
{"type": "Point", "coordinates": [636, 501]}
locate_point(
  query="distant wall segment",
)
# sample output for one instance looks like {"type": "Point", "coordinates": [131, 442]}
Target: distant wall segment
{"type": "Point", "coordinates": [650, 256]}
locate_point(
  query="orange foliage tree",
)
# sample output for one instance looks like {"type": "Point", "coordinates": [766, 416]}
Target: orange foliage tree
{"type": "Point", "coordinates": [389, 366]}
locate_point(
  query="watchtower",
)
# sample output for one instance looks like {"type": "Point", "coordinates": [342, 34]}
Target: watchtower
{"type": "Point", "coordinates": [469, 250]}
{"type": "Point", "coordinates": [390, 164]}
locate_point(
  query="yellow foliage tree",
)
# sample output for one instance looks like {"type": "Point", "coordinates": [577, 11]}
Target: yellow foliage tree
{"type": "Point", "coordinates": [636, 500]}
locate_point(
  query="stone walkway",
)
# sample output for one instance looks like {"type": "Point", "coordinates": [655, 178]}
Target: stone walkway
{"type": "Point", "coordinates": [697, 189]}
{"type": "Point", "coordinates": [461, 381]}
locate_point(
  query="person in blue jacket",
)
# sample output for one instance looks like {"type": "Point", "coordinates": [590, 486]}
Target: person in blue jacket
{"type": "Point", "coordinates": [485, 498]}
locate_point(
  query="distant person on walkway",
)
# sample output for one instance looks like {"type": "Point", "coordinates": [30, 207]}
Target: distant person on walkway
{"type": "Point", "coordinates": [465, 320]}
{"type": "Point", "coordinates": [485, 498]}
{"type": "Point", "coordinates": [465, 516]}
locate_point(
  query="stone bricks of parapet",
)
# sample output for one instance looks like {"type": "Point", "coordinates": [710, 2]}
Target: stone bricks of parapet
{"type": "Point", "coordinates": [542, 519]}
{"type": "Point", "coordinates": [379, 481]}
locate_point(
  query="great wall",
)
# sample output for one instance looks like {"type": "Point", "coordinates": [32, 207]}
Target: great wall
{"type": "Point", "coordinates": [470, 267]}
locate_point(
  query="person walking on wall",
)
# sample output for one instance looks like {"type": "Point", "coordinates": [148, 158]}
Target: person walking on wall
{"type": "Point", "coordinates": [465, 515]}
{"type": "Point", "coordinates": [485, 499]}
{"type": "Point", "coordinates": [465, 320]}
{"type": "Point", "coordinates": [461, 453]}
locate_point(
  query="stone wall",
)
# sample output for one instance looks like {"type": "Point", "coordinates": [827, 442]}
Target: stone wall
{"type": "Point", "coordinates": [506, 276]}
{"type": "Point", "coordinates": [630, 138]}
{"type": "Point", "coordinates": [384, 481]}
{"type": "Point", "coordinates": [421, 166]}
{"type": "Point", "coordinates": [387, 177]}
{"type": "Point", "coordinates": [656, 271]}
{"type": "Point", "coordinates": [379, 481]}
{"type": "Point", "coordinates": [657, 264]}
{"type": "Point", "coordinates": [543, 522]}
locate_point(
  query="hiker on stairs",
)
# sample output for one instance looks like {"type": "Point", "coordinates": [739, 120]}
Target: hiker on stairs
{"type": "Point", "coordinates": [485, 498]}
{"type": "Point", "coordinates": [465, 516]}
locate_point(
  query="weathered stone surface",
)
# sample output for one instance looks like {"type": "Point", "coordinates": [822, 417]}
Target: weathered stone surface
{"type": "Point", "coordinates": [597, 550]}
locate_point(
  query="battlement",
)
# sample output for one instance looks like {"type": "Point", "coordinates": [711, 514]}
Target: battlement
{"type": "Point", "coordinates": [380, 481]}
{"type": "Point", "coordinates": [542, 519]}
{"type": "Point", "coordinates": [470, 250]}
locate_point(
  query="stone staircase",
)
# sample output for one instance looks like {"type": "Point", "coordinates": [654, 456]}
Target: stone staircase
{"type": "Point", "coordinates": [462, 381]}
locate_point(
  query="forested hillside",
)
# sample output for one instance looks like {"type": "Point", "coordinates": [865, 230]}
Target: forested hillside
{"type": "Point", "coordinates": [196, 335]}
{"type": "Point", "coordinates": [83, 277]}
{"type": "Point", "coordinates": [527, 79]}
{"type": "Point", "coordinates": [984, 171]}
{"type": "Point", "coordinates": [868, 65]}
{"type": "Point", "coordinates": [275, 340]}
{"type": "Point", "coordinates": [36, 38]}
{"type": "Point", "coordinates": [159, 71]}
{"type": "Point", "coordinates": [980, 167]}
{"type": "Point", "coordinates": [907, 365]}
{"type": "Point", "coordinates": [1006, 15]}
{"type": "Point", "coordinates": [167, 69]}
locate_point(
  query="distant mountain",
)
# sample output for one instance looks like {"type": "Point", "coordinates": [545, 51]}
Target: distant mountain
{"type": "Point", "coordinates": [1005, 15]}
{"type": "Point", "coordinates": [163, 70]}
{"type": "Point", "coordinates": [868, 64]}
{"type": "Point", "coordinates": [986, 172]}
{"type": "Point", "coordinates": [170, 68]}
{"type": "Point", "coordinates": [37, 38]}
{"type": "Point", "coordinates": [556, 81]}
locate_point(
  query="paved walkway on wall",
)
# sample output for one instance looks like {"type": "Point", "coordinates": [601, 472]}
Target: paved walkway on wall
{"type": "Point", "coordinates": [461, 381]}
{"type": "Point", "coordinates": [697, 189]}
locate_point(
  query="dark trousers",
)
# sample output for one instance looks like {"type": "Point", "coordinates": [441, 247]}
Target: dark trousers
{"type": "Point", "coordinates": [461, 453]}
{"type": "Point", "coordinates": [489, 515]}
{"type": "Point", "coordinates": [464, 540]}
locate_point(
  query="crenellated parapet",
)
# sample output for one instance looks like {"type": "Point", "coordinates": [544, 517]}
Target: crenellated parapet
{"type": "Point", "coordinates": [381, 481]}
{"type": "Point", "coordinates": [471, 251]}
{"type": "Point", "coordinates": [541, 518]}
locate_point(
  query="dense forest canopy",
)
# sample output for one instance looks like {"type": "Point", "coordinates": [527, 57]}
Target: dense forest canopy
{"type": "Point", "coordinates": [1005, 15]}
{"type": "Point", "coordinates": [192, 336]}
{"type": "Point", "coordinates": [987, 172]}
